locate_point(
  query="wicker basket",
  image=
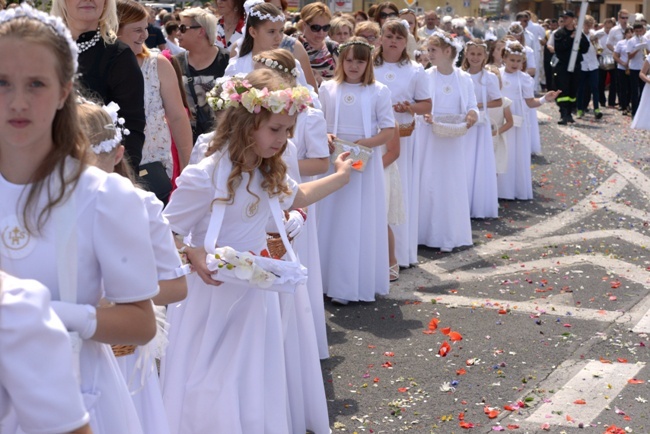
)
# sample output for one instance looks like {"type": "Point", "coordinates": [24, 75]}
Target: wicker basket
{"type": "Point", "coordinates": [360, 159]}
{"type": "Point", "coordinates": [123, 350]}
{"type": "Point", "coordinates": [274, 242]}
{"type": "Point", "coordinates": [405, 130]}
{"type": "Point", "coordinates": [449, 125]}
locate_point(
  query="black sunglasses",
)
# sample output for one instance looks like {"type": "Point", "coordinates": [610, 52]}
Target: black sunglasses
{"type": "Point", "coordinates": [183, 28]}
{"type": "Point", "coordinates": [317, 28]}
{"type": "Point", "coordinates": [384, 15]}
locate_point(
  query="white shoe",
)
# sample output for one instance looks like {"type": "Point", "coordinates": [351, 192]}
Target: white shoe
{"type": "Point", "coordinates": [446, 249]}
{"type": "Point", "coordinates": [340, 301]}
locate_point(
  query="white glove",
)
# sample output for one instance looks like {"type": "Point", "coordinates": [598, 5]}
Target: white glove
{"type": "Point", "coordinates": [80, 318]}
{"type": "Point", "coordinates": [294, 224]}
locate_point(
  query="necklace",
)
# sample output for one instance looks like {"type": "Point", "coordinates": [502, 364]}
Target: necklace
{"type": "Point", "coordinates": [83, 46]}
{"type": "Point", "coordinates": [446, 82]}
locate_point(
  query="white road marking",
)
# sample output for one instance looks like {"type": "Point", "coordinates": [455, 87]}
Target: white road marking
{"type": "Point", "coordinates": [596, 383]}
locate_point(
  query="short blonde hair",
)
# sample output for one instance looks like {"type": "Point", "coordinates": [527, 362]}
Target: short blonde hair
{"type": "Point", "coordinates": [204, 19]}
{"type": "Point", "coordinates": [339, 22]}
{"type": "Point", "coordinates": [314, 10]}
{"type": "Point", "coordinates": [108, 23]}
{"type": "Point", "coordinates": [365, 26]}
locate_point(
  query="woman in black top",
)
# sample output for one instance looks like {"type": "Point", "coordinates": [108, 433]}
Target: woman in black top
{"type": "Point", "coordinates": [107, 67]}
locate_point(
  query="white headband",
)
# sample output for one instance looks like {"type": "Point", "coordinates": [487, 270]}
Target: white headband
{"type": "Point", "coordinates": [55, 23]}
{"type": "Point", "coordinates": [273, 64]}
{"type": "Point", "coordinates": [250, 11]}
{"type": "Point", "coordinates": [509, 49]}
{"type": "Point", "coordinates": [513, 26]}
{"type": "Point", "coordinates": [117, 125]}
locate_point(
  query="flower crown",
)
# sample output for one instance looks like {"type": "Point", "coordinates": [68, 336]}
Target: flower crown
{"type": "Point", "coordinates": [236, 91]}
{"type": "Point", "coordinates": [345, 45]}
{"type": "Point", "coordinates": [509, 48]}
{"type": "Point", "coordinates": [516, 29]}
{"type": "Point", "coordinates": [483, 44]}
{"type": "Point", "coordinates": [249, 6]}
{"type": "Point", "coordinates": [117, 125]}
{"type": "Point", "coordinates": [273, 64]}
{"type": "Point", "coordinates": [453, 42]}
{"type": "Point", "coordinates": [55, 23]}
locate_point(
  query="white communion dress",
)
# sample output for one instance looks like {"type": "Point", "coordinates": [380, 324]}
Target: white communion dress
{"type": "Point", "coordinates": [641, 119]}
{"type": "Point", "coordinates": [407, 82]}
{"type": "Point", "coordinates": [444, 220]}
{"type": "Point", "coordinates": [115, 261]}
{"type": "Point", "coordinates": [352, 224]}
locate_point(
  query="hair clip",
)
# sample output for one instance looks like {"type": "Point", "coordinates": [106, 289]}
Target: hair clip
{"type": "Point", "coordinates": [345, 45]}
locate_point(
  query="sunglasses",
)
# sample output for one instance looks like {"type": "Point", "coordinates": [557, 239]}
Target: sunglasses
{"type": "Point", "coordinates": [384, 15]}
{"type": "Point", "coordinates": [317, 28]}
{"type": "Point", "coordinates": [183, 28]}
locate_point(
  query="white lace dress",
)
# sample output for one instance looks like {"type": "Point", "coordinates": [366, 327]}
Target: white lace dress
{"type": "Point", "coordinates": [158, 139]}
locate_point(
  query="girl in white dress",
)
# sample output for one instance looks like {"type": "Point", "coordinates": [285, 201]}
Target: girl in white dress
{"type": "Point", "coordinates": [444, 204]}
{"type": "Point", "coordinates": [641, 119]}
{"type": "Point", "coordinates": [310, 138]}
{"type": "Point", "coordinates": [55, 206]}
{"type": "Point", "coordinates": [139, 368]}
{"type": "Point", "coordinates": [501, 121]}
{"type": "Point", "coordinates": [48, 400]}
{"type": "Point", "coordinates": [352, 222]}
{"type": "Point", "coordinates": [410, 96]}
{"type": "Point", "coordinates": [165, 114]}
{"type": "Point", "coordinates": [225, 369]}
{"type": "Point", "coordinates": [529, 66]}
{"type": "Point", "coordinates": [481, 165]}
{"type": "Point", "coordinates": [516, 182]}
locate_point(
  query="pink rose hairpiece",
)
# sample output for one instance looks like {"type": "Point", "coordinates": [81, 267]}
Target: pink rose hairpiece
{"type": "Point", "coordinates": [236, 91]}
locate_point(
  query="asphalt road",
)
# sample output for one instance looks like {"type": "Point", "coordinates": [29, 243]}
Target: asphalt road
{"type": "Point", "coordinates": [552, 304]}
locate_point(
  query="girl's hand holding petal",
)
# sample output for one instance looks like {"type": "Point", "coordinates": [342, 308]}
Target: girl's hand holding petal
{"type": "Point", "coordinates": [343, 164]}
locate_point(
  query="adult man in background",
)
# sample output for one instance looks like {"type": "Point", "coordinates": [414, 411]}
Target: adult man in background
{"type": "Point", "coordinates": [565, 80]}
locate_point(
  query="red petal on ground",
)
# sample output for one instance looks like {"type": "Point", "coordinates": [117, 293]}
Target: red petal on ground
{"type": "Point", "coordinates": [444, 349]}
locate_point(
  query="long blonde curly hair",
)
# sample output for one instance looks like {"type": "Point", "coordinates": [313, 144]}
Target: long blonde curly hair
{"type": "Point", "coordinates": [234, 135]}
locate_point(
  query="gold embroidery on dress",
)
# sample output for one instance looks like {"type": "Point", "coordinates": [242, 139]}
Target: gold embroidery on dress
{"type": "Point", "coordinates": [15, 238]}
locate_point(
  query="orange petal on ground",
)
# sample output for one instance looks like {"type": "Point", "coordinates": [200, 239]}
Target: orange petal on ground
{"type": "Point", "coordinates": [621, 360]}
{"type": "Point", "coordinates": [455, 336]}
{"type": "Point", "coordinates": [445, 331]}
{"type": "Point", "coordinates": [635, 381]}
{"type": "Point", "coordinates": [433, 324]}
{"type": "Point", "coordinates": [580, 402]}
{"type": "Point", "coordinates": [466, 425]}
{"type": "Point", "coordinates": [444, 349]}
{"type": "Point", "coordinates": [461, 371]}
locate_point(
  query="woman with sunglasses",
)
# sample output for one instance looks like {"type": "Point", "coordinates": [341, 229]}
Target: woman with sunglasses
{"type": "Point", "coordinates": [323, 53]}
{"type": "Point", "coordinates": [107, 67]}
{"type": "Point", "coordinates": [385, 11]}
{"type": "Point", "coordinates": [202, 64]}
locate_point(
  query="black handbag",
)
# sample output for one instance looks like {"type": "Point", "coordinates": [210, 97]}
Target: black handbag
{"type": "Point", "coordinates": [153, 177]}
